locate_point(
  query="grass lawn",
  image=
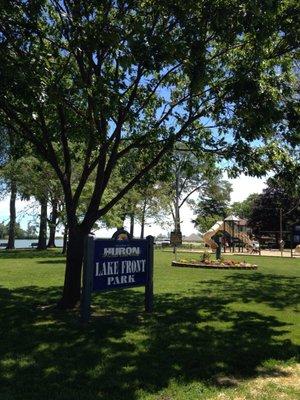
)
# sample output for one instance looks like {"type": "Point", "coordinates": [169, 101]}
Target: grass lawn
{"type": "Point", "coordinates": [214, 334]}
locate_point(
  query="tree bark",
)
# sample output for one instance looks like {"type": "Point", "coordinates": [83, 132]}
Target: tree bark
{"type": "Point", "coordinates": [12, 216]}
{"type": "Point", "coordinates": [52, 224]}
{"type": "Point", "coordinates": [72, 284]}
{"type": "Point", "coordinates": [143, 219]}
{"type": "Point", "coordinates": [131, 224]}
{"type": "Point", "coordinates": [176, 205]}
{"type": "Point", "coordinates": [177, 220]}
{"type": "Point", "coordinates": [65, 241]}
{"type": "Point", "coordinates": [42, 241]}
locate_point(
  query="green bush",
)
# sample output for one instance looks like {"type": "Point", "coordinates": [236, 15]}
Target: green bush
{"type": "Point", "coordinates": [205, 257]}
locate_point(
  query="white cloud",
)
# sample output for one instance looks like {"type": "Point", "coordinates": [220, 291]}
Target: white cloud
{"type": "Point", "coordinates": [244, 185]}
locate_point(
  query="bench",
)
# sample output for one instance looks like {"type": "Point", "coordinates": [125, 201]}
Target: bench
{"type": "Point", "coordinates": [3, 244]}
{"type": "Point", "coordinates": [34, 245]}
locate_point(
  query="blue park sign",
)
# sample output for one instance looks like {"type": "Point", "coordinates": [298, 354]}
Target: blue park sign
{"type": "Point", "coordinates": [115, 264]}
{"type": "Point", "coordinates": [120, 264]}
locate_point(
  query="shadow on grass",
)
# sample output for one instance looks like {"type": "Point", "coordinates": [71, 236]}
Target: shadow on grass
{"type": "Point", "coordinates": [47, 354]}
{"type": "Point", "coordinates": [277, 291]}
{"type": "Point", "coordinates": [60, 260]}
{"type": "Point", "coordinates": [30, 253]}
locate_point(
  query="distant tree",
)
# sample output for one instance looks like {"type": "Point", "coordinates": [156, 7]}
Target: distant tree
{"type": "Point", "coordinates": [11, 150]}
{"type": "Point", "coordinates": [19, 232]}
{"type": "Point", "coordinates": [36, 179]}
{"type": "Point", "coordinates": [287, 175]}
{"type": "Point", "coordinates": [265, 213]}
{"type": "Point", "coordinates": [146, 200]}
{"type": "Point", "coordinates": [12, 215]}
{"type": "Point", "coordinates": [3, 230]}
{"type": "Point", "coordinates": [33, 182]}
{"type": "Point", "coordinates": [213, 204]}
{"type": "Point", "coordinates": [190, 173]}
{"type": "Point", "coordinates": [243, 209]}
{"type": "Point", "coordinates": [153, 205]}
{"type": "Point", "coordinates": [53, 221]}
{"type": "Point", "coordinates": [31, 232]}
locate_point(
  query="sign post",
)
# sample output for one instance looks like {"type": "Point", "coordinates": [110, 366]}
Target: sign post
{"type": "Point", "coordinates": [115, 264]}
{"type": "Point", "coordinates": [218, 249]}
{"type": "Point", "coordinates": [87, 278]}
{"type": "Point", "coordinates": [149, 283]}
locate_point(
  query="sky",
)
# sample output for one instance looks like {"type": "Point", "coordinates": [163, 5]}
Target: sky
{"type": "Point", "coordinates": [242, 187]}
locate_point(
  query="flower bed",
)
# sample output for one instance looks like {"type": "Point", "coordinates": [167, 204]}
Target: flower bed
{"type": "Point", "coordinates": [227, 264]}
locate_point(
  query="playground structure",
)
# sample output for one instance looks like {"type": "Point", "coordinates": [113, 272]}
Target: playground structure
{"type": "Point", "coordinates": [230, 226]}
{"type": "Point", "coordinates": [233, 233]}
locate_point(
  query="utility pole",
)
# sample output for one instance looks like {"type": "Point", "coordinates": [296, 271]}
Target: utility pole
{"type": "Point", "coordinates": [177, 211]}
{"type": "Point", "coordinates": [280, 224]}
{"type": "Point", "coordinates": [177, 207]}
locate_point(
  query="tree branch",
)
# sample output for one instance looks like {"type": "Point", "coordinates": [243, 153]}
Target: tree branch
{"type": "Point", "coordinates": [189, 194]}
{"type": "Point", "coordinates": [64, 141]}
{"type": "Point", "coordinates": [146, 169]}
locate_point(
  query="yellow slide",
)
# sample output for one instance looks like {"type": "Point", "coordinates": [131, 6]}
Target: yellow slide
{"type": "Point", "coordinates": [207, 236]}
{"type": "Point", "coordinates": [221, 226]}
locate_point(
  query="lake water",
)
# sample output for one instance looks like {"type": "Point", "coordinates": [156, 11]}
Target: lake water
{"type": "Point", "coordinates": [26, 243]}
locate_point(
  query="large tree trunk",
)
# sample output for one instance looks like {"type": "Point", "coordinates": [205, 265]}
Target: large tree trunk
{"type": "Point", "coordinates": [71, 292]}
{"type": "Point", "coordinates": [52, 224]}
{"type": "Point", "coordinates": [12, 216]}
{"type": "Point", "coordinates": [65, 241]}
{"type": "Point", "coordinates": [42, 241]}
{"type": "Point", "coordinates": [177, 220]}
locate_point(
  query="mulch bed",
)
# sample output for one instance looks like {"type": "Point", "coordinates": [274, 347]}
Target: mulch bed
{"type": "Point", "coordinates": [212, 266]}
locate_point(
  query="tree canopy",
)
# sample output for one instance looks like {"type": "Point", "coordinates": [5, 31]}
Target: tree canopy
{"type": "Point", "coordinates": [244, 208]}
{"type": "Point", "coordinates": [213, 204]}
{"type": "Point", "coordinates": [19, 232]}
{"type": "Point", "coordinates": [88, 83]}
{"type": "Point", "coordinates": [276, 200]}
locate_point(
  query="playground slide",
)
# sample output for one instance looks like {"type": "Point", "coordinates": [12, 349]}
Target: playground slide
{"type": "Point", "coordinates": [207, 236]}
{"type": "Point", "coordinates": [244, 238]}
{"type": "Point", "coordinates": [221, 226]}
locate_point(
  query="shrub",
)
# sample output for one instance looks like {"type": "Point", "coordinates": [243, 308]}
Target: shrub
{"type": "Point", "coordinates": [205, 256]}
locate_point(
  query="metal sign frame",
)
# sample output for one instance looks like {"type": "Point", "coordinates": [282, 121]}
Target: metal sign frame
{"type": "Point", "coordinates": [89, 269]}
